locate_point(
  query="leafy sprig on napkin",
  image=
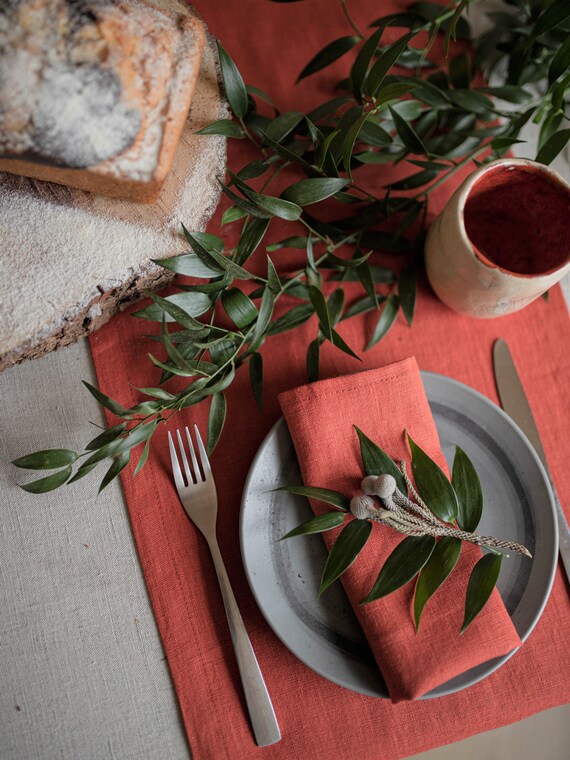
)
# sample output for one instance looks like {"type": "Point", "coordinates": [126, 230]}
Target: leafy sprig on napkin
{"type": "Point", "coordinates": [421, 556]}
{"type": "Point", "coordinates": [435, 120]}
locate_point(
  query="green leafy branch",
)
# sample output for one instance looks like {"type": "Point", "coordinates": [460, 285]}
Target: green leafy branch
{"type": "Point", "coordinates": [422, 556]}
{"type": "Point", "coordinates": [436, 120]}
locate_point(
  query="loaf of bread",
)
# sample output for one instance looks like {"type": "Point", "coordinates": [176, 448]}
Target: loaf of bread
{"type": "Point", "coordinates": [94, 93]}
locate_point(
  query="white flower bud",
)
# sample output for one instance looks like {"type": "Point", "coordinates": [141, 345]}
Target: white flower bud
{"type": "Point", "coordinates": [385, 486]}
{"type": "Point", "coordinates": [368, 484]}
{"type": "Point", "coordinates": [362, 506]}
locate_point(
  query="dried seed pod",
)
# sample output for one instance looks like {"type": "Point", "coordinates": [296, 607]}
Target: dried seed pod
{"type": "Point", "coordinates": [384, 487]}
{"type": "Point", "coordinates": [362, 506]}
{"type": "Point", "coordinates": [368, 484]}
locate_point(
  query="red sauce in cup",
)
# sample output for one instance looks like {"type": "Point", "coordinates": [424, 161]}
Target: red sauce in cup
{"type": "Point", "coordinates": [519, 220]}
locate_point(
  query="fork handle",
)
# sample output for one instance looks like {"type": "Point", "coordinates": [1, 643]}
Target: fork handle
{"type": "Point", "coordinates": [261, 712]}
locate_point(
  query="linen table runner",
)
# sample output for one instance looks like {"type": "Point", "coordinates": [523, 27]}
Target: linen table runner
{"type": "Point", "coordinates": [319, 719]}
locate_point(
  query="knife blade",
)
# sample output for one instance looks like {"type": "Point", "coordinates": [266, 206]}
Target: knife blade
{"type": "Point", "coordinates": [515, 403]}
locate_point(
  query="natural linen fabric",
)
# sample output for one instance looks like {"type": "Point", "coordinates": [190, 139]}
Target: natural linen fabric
{"type": "Point", "coordinates": [384, 403]}
{"type": "Point", "coordinates": [319, 719]}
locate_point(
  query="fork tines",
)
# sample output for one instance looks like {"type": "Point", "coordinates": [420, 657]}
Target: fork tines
{"type": "Point", "coordinates": [194, 474]}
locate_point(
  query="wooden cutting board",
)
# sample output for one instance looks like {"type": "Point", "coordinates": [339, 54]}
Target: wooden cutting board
{"type": "Point", "coordinates": [70, 259]}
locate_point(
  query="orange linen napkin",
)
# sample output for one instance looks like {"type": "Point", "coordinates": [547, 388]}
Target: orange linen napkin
{"type": "Point", "coordinates": [383, 403]}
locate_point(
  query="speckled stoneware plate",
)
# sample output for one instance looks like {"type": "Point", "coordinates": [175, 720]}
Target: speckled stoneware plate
{"type": "Point", "coordinates": [284, 576]}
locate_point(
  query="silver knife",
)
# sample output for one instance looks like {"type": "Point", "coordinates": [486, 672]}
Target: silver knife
{"type": "Point", "coordinates": [515, 403]}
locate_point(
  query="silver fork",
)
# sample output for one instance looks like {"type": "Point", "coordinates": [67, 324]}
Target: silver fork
{"type": "Point", "coordinates": [200, 501]}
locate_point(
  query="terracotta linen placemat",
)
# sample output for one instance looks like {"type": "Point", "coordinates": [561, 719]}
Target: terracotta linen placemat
{"type": "Point", "coordinates": [319, 719]}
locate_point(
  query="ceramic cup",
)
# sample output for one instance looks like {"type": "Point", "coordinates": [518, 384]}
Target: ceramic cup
{"type": "Point", "coordinates": [502, 240]}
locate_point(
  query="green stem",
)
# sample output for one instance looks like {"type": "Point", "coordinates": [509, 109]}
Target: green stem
{"type": "Point", "coordinates": [456, 168]}
{"type": "Point", "coordinates": [351, 20]}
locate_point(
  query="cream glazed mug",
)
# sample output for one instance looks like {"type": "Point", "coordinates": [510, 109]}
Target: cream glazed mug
{"type": "Point", "coordinates": [502, 240]}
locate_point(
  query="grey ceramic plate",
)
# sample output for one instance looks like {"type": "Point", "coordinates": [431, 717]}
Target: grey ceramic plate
{"type": "Point", "coordinates": [284, 576]}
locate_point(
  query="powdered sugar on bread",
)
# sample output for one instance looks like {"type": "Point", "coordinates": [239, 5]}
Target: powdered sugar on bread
{"type": "Point", "coordinates": [94, 93]}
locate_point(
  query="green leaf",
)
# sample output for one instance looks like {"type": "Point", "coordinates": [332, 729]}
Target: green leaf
{"type": "Point", "coordinates": [339, 342]}
{"type": "Point", "coordinates": [232, 214]}
{"type": "Point", "coordinates": [509, 92]}
{"type": "Point", "coordinates": [472, 101]}
{"type": "Point", "coordinates": [459, 70]}
{"type": "Point", "coordinates": [107, 436]}
{"type": "Point", "coordinates": [192, 369]}
{"type": "Point", "coordinates": [205, 239]}
{"type": "Point", "coordinates": [438, 568]}
{"type": "Point", "coordinates": [159, 393]}
{"type": "Point", "coordinates": [273, 281]}
{"type": "Point", "coordinates": [360, 307]}
{"type": "Point", "coordinates": [380, 157]}
{"type": "Point", "coordinates": [389, 57]}
{"type": "Point", "coordinates": [386, 320]}
{"type": "Point", "coordinates": [362, 62]}
{"type": "Point", "coordinates": [118, 464]}
{"type": "Point", "coordinates": [175, 356]}
{"type": "Point", "coordinates": [335, 498]}
{"type": "Point", "coordinates": [328, 55]}
{"type": "Point", "coordinates": [434, 488]}
{"type": "Point", "coordinates": [320, 306]}
{"type": "Point", "coordinates": [560, 63]}
{"type": "Point", "coordinates": [283, 125]}
{"type": "Point", "coordinates": [335, 305]}
{"type": "Point", "coordinates": [105, 401]}
{"type": "Point", "coordinates": [313, 190]}
{"type": "Point", "coordinates": [406, 133]}
{"type": "Point", "coordinates": [263, 319]}
{"type": "Point", "coordinates": [480, 587]}
{"type": "Point", "coordinates": [376, 462]}
{"type": "Point", "coordinates": [43, 485]}
{"type": "Point", "coordinates": [349, 141]}
{"type": "Point", "coordinates": [553, 15]}
{"type": "Point", "coordinates": [374, 134]}
{"type": "Point", "coordinates": [189, 305]}
{"type": "Point", "coordinates": [234, 86]}
{"type": "Point", "coordinates": [143, 458]}
{"type": "Point", "coordinates": [403, 564]}
{"type": "Point", "coordinates": [225, 127]}
{"type": "Point", "coordinates": [253, 169]}
{"type": "Point", "coordinates": [553, 146]}
{"type": "Point", "coordinates": [216, 419]}
{"type": "Point", "coordinates": [271, 205]}
{"type": "Point", "coordinates": [318, 524]}
{"type": "Point", "coordinates": [467, 487]}
{"type": "Point", "coordinates": [415, 180]}
{"type": "Point", "coordinates": [48, 459]}
{"type": "Point", "coordinates": [296, 241]}
{"type": "Point", "coordinates": [256, 378]}
{"type": "Point", "coordinates": [82, 472]}
{"type": "Point", "coordinates": [239, 307]}
{"type": "Point", "coordinates": [189, 265]}
{"type": "Point", "coordinates": [364, 273]}
{"type": "Point", "coordinates": [312, 361]}
{"type": "Point", "coordinates": [212, 254]}
{"type": "Point", "coordinates": [136, 436]}
{"type": "Point", "coordinates": [345, 550]}
{"type": "Point", "coordinates": [251, 236]}
{"type": "Point", "coordinates": [293, 318]}
{"type": "Point", "coordinates": [429, 94]}
{"type": "Point", "coordinates": [245, 205]}
{"type": "Point", "coordinates": [407, 288]}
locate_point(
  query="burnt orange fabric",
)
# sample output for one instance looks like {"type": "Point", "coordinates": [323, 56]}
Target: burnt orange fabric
{"type": "Point", "coordinates": [271, 42]}
{"type": "Point", "coordinates": [384, 403]}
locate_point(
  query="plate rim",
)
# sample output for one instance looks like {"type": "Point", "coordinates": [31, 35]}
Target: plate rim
{"type": "Point", "coordinates": [439, 691]}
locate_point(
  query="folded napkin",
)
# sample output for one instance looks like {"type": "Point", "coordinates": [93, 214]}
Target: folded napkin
{"type": "Point", "coordinates": [383, 403]}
